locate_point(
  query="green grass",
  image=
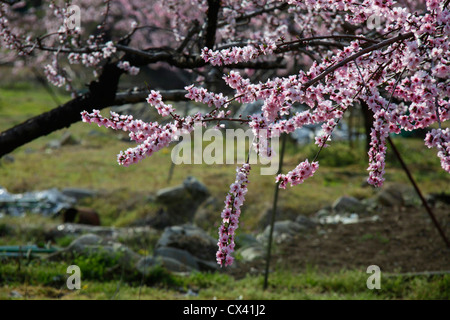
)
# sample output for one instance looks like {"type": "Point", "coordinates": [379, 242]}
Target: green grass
{"type": "Point", "coordinates": [46, 280]}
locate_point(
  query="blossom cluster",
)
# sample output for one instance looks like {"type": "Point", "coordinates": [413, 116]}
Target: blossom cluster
{"type": "Point", "coordinates": [54, 75]}
{"type": "Point", "coordinates": [237, 54]}
{"type": "Point", "coordinates": [151, 137]}
{"type": "Point", "coordinates": [204, 96]}
{"type": "Point", "coordinates": [155, 99]}
{"type": "Point", "coordinates": [440, 139]}
{"type": "Point", "coordinates": [298, 175]}
{"type": "Point", "coordinates": [127, 67]}
{"type": "Point", "coordinates": [230, 215]}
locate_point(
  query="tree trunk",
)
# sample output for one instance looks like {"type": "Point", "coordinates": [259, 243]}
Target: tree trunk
{"type": "Point", "coordinates": [368, 122]}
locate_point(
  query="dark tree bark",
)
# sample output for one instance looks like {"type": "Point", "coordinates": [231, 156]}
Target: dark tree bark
{"type": "Point", "coordinates": [368, 122]}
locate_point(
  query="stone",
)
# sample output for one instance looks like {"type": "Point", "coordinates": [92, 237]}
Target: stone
{"type": "Point", "coordinates": [88, 239]}
{"type": "Point", "coordinates": [282, 231]}
{"type": "Point", "coordinates": [180, 203]}
{"type": "Point", "coordinates": [92, 245]}
{"type": "Point", "coordinates": [180, 255]}
{"type": "Point", "coordinates": [78, 193]}
{"type": "Point", "coordinates": [391, 195]}
{"type": "Point", "coordinates": [208, 265]}
{"type": "Point", "coordinates": [244, 240]}
{"type": "Point", "coordinates": [145, 265]}
{"type": "Point", "coordinates": [253, 253]}
{"type": "Point", "coordinates": [67, 139]}
{"type": "Point", "coordinates": [53, 144]}
{"type": "Point", "coordinates": [389, 198]}
{"type": "Point", "coordinates": [207, 213]}
{"type": "Point", "coordinates": [15, 294]}
{"type": "Point", "coordinates": [190, 238]}
{"type": "Point", "coordinates": [306, 222]}
{"type": "Point", "coordinates": [397, 195]}
{"type": "Point", "coordinates": [198, 190]}
{"type": "Point", "coordinates": [322, 213]}
{"type": "Point", "coordinates": [157, 220]}
{"type": "Point", "coordinates": [74, 229]}
{"type": "Point", "coordinates": [8, 158]}
{"type": "Point", "coordinates": [107, 233]}
{"type": "Point", "coordinates": [348, 204]}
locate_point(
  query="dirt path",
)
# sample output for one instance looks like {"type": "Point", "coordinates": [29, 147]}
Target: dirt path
{"type": "Point", "coordinates": [401, 241]}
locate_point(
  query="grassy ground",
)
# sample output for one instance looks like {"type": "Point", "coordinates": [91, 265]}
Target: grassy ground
{"type": "Point", "coordinates": [39, 279]}
{"type": "Point", "coordinates": [92, 164]}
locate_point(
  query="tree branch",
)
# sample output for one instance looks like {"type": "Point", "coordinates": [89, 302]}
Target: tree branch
{"type": "Point", "coordinates": [356, 55]}
{"type": "Point", "coordinates": [211, 27]}
{"type": "Point", "coordinates": [69, 113]}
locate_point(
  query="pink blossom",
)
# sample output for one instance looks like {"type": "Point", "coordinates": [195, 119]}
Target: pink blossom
{"type": "Point", "coordinates": [297, 176]}
{"type": "Point", "coordinates": [230, 216]}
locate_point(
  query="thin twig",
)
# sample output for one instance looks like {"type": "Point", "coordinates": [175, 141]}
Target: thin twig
{"type": "Point", "coordinates": [274, 209]}
{"type": "Point", "coordinates": [416, 187]}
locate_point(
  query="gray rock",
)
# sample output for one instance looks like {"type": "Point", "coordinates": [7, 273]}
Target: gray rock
{"type": "Point", "coordinates": [322, 213]}
{"type": "Point", "coordinates": [85, 240]}
{"type": "Point", "coordinates": [306, 222]}
{"type": "Point", "coordinates": [397, 195]}
{"type": "Point", "coordinates": [145, 265]}
{"type": "Point", "coordinates": [78, 193]}
{"type": "Point", "coordinates": [67, 139]}
{"type": "Point", "coordinates": [207, 265]}
{"type": "Point", "coordinates": [8, 158]}
{"type": "Point", "coordinates": [180, 203]}
{"type": "Point", "coordinates": [15, 294]}
{"type": "Point", "coordinates": [244, 240]}
{"type": "Point", "coordinates": [190, 238]}
{"type": "Point", "coordinates": [347, 218]}
{"type": "Point", "coordinates": [75, 229]}
{"type": "Point", "coordinates": [391, 198]}
{"type": "Point", "coordinates": [198, 190]}
{"type": "Point", "coordinates": [282, 231]}
{"type": "Point", "coordinates": [180, 255]}
{"type": "Point", "coordinates": [53, 144]}
{"type": "Point", "coordinates": [92, 245]}
{"type": "Point", "coordinates": [250, 254]}
{"type": "Point", "coordinates": [207, 213]}
{"type": "Point", "coordinates": [107, 233]}
{"type": "Point", "coordinates": [348, 205]}
{"type": "Point", "coordinates": [168, 195]}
